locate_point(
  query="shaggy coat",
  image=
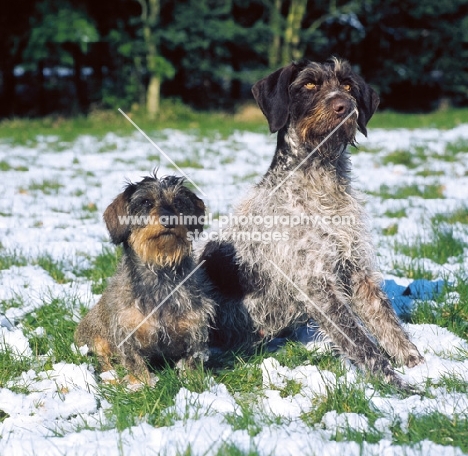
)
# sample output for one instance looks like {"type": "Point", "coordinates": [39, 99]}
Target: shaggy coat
{"type": "Point", "coordinates": [319, 270]}
{"type": "Point", "coordinates": [153, 309]}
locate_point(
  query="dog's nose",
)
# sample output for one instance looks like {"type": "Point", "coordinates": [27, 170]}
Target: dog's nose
{"type": "Point", "coordinates": [339, 106]}
{"type": "Point", "coordinates": [168, 218]}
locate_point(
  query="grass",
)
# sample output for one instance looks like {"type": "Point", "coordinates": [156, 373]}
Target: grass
{"type": "Point", "coordinates": [390, 230]}
{"type": "Point", "coordinates": [53, 267]}
{"type": "Point", "coordinates": [102, 267]}
{"type": "Point", "coordinates": [48, 187]}
{"type": "Point", "coordinates": [174, 114]}
{"type": "Point", "coordinates": [9, 259]}
{"type": "Point", "coordinates": [448, 314]}
{"type": "Point", "coordinates": [57, 318]}
{"type": "Point", "coordinates": [401, 157]}
{"type": "Point", "coordinates": [397, 213]}
{"type": "Point", "coordinates": [342, 398]}
{"type": "Point", "coordinates": [443, 119]}
{"type": "Point", "coordinates": [5, 166]}
{"type": "Point", "coordinates": [455, 148]}
{"type": "Point", "coordinates": [439, 249]}
{"type": "Point", "coordinates": [460, 215]}
{"type": "Point", "coordinates": [412, 269]}
{"type": "Point", "coordinates": [50, 327]}
{"type": "Point", "coordinates": [430, 191]}
{"type": "Point", "coordinates": [435, 427]}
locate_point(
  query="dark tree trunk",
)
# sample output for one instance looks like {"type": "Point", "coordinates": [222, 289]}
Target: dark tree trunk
{"type": "Point", "coordinates": [41, 85]}
{"type": "Point", "coordinates": [8, 92]}
{"type": "Point", "coordinates": [80, 86]}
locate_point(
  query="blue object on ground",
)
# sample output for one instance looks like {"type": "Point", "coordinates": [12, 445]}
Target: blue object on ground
{"type": "Point", "coordinates": [402, 303]}
{"type": "Point", "coordinates": [425, 289]}
{"type": "Point", "coordinates": [402, 298]}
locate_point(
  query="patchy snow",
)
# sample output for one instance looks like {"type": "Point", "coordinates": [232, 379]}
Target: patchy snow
{"type": "Point", "coordinates": [55, 209]}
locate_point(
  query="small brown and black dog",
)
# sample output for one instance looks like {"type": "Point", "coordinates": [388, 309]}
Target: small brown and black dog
{"type": "Point", "coordinates": [153, 310]}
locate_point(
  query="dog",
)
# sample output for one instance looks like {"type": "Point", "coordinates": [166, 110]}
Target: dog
{"type": "Point", "coordinates": [326, 272]}
{"type": "Point", "coordinates": [153, 310]}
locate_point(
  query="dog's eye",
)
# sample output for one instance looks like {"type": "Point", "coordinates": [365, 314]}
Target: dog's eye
{"type": "Point", "coordinates": [310, 86]}
{"type": "Point", "coordinates": [147, 203]}
{"type": "Point", "coordinates": [347, 87]}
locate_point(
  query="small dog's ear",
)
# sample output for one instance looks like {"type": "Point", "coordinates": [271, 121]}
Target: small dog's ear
{"type": "Point", "coordinates": [114, 214]}
{"type": "Point", "coordinates": [199, 211]}
{"type": "Point", "coordinates": [272, 95]}
{"type": "Point", "coordinates": [367, 105]}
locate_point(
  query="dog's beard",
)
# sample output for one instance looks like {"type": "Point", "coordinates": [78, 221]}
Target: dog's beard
{"type": "Point", "coordinates": [314, 131]}
{"type": "Point", "coordinates": [163, 249]}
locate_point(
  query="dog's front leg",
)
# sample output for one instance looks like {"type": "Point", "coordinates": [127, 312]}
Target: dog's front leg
{"type": "Point", "coordinates": [376, 311]}
{"type": "Point", "coordinates": [335, 318]}
{"type": "Point", "coordinates": [135, 363]}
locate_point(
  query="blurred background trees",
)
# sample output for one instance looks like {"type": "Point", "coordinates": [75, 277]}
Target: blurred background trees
{"type": "Point", "coordinates": [67, 57]}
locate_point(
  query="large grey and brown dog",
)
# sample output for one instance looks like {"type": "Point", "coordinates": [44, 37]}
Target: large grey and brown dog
{"type": "Point", "coordinates": [153, 309]}
{"type": "Point", "coordinates": [325, 271]}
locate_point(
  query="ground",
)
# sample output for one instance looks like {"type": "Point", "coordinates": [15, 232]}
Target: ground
{"type": "Point", "coordinates": [55, 257]}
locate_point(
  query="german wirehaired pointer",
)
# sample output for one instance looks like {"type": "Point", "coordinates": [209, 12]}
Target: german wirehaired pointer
{"type": "Point", "coordinates": [325, 271]}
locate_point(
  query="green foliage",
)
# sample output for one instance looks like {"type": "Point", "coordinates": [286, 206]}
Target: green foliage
{"type": "Point", "coordinates": [400, 157]}
{"type": "Point", "coordinates": [398, 213]}
{"type": "Point", "coordinates": [53, 267]}
{"type": "Point", "coordinates": [103, 266]}
{"type": "Point", "coordinates": [460, 215]}
{"type": "Point", "coordinates": [424, 191]}
{"type": "Point", "coordinates": [58, 21]}
{"type": "Point", "coordinates": [390, 230]}
{"type": "Point", "coordinates": [451, 314]}
{"type": "Point", "coordinates": [435, 427]}
{"type": "Point", "coordinates": [342, 398]}
{"type": "Point", "coordinates": [442, 246]}
{"type": "Point", "coordinates": [210, 51]}
{"type": "Point", "coordinates": [57, 320]}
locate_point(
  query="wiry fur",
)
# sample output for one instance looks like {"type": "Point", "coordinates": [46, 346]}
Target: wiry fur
{"type": "Point", "coordinates": [326, 272]}
{"type": "Point", "coordinates": [156, 260]}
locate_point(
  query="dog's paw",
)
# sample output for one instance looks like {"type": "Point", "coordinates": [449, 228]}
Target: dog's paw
{"type": "Point", "coordinates": [135, 384]}
{"type": "Point", "coordinates": [414, 358]}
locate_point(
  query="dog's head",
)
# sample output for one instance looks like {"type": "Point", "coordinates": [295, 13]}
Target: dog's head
{"type": "Point", "coordinates": [154, 217]}
{"type": "Point", "coordinates": [314, 98]}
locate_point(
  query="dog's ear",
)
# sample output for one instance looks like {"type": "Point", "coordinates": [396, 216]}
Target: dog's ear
{"type": "Point", "coordinates": [199, 210]}
{"type": "Point", "coordinates": [115, 214]}
{"type": "Point", "coordinates": [272, 95]}
{"type": "Point", "coordinates": [367, 102]}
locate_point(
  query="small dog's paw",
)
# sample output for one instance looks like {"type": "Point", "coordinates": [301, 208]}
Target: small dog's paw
{"type": "Point", "coordinates": [109, 376]}
{"type": "Point", "coordinates": [136, 383]}
{"type": "Point", "coordinates": [414, 358]}
{"type": "Point", "coordinates": [201, 356]}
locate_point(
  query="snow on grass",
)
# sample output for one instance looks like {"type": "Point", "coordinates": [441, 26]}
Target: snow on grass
{"type": "Point", "coordinates": [53, 197]}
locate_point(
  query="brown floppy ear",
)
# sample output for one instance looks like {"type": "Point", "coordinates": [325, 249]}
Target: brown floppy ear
{"type": "Point", "coordinates": [367, 102]}
{"type": "Point", "coordinates": [272, 95]}
{"type": "Point", "coordinates": [115, 216]}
